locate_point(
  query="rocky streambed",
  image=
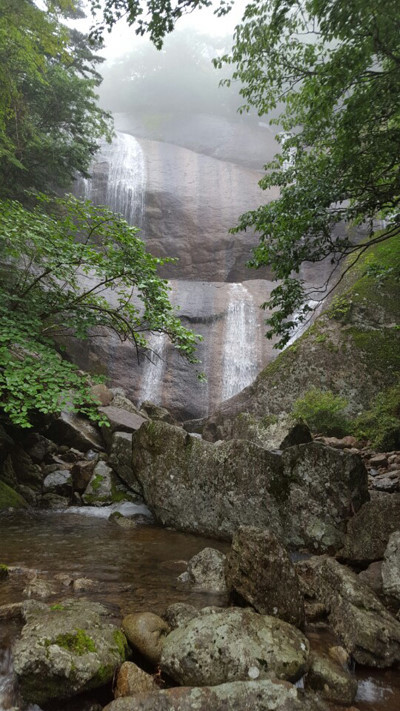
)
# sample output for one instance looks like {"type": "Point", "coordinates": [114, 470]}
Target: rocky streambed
{"type": "Point", "coordinates": [291, 604]}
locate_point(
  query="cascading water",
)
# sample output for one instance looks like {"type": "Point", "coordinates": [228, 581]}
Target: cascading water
{"type": "Point", "coordinates": [240, 359]}
{"type": "Point", "coordinates": [126, 179]}
{"type": "Point", "coordinates": [154, 369]}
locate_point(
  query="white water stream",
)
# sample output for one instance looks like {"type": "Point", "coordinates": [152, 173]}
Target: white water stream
{"type": "Point", "coordinates": [154, 369]}
{"type": "Point", "coordinates": [240, 357]}
{"type": "Point", "coordinates": [126, 179]}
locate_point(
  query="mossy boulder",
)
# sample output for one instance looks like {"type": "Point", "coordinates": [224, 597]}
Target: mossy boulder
{"type": "Point", "coordinates": [10, 499]}
{"type": "Point", "coordinates": [66, 649]}
{"type": "Point", "coordinates": [304, 495]}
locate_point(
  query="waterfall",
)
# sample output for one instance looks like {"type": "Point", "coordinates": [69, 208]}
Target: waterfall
{"type": "Point", "coordinates": [126, 178]}
{"type": "Point", "coordinates": [154, 369]}
{"type": "Point", "coordinates": [240, 358]}
{"type": "Point", "coordinates": [302, 327]}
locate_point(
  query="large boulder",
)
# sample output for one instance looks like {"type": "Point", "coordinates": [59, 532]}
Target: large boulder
{"type": "Point", "coordinates": [391, 567]}
{"type": "Point", "coordinates": [66, 649]}
{"type": "Point", "coordinates": [369, 531]}
{"type": "Point", "coordinates": [259, 570]}
{"type": "Point", "coordinates": [75, 431]}
{"type": "Point", "coordinates": [365, 627]}
{"type": "Point", "coordinates": [304, 495]}
{"type": "Point", "coordinates": [234, 645]}
{"type": "Point", "coordinates": [265, 695]}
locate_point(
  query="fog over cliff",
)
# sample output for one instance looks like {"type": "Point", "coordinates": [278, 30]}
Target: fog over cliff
{"type": "Point", "coordinates": [174, 95]}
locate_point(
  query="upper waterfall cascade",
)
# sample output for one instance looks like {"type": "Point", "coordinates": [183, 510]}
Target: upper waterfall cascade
{"type": "Point", "coordinates": [126, 179]}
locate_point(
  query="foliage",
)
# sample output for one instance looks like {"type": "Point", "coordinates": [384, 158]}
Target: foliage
{"type": "Point", "coordinates": [70, 268]}
{"type": "Point", "coordinates": [323, 412]}
{"type": "Point", "coordinates": [154, 17]}
{"type": "Point", "coordinates": [333, 66]}
{"type": "Point", "coordinates": [49, 120]}
{"type": "Point", "coordinates": [381, 423]}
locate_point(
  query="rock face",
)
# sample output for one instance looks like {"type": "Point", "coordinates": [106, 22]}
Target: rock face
{"type": "Point", "coordinates": [391, 567]}
{"type": "Point", "coordinates": [65, 651]}
{"type": "Point", "coordinates": [304, 496]}
{"type": "Point", "coordinates": [366, 629]}
{"type": "Point", "coordinates": [259, 570]}
{"type": "Point", "coordinates": [234, 645]}
{"type": "Point", "coordinates": [266, 695]}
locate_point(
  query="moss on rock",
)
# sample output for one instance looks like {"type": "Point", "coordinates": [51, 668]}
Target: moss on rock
{"type": "Point", "coordinates": [9, 498]}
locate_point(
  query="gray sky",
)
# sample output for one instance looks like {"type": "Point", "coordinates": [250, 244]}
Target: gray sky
{"type": "Point", "coordinates": [122, 39]}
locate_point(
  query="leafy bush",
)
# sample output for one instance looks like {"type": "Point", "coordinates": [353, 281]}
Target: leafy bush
{"type": "Point", "coordinates": [381, 423]}
{"type": "Point", "coordinates": [323, 412]}
{"type": "Point", "coordinates": [72, 269]}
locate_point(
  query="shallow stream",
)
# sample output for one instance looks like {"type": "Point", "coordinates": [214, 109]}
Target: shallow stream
{"type": "Point", "coordinates": [133, 569]}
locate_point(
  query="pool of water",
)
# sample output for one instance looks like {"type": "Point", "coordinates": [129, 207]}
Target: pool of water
{"type": "Point", "coordinates": [133, 570]}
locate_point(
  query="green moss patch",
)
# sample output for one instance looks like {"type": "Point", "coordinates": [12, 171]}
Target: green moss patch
{"type": "Point", "coordinates": [9, 498]}
{"type": "Point", "coordinates": [77, 642]}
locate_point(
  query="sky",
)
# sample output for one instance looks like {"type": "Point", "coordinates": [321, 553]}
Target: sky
{"type": "Point", "coordinates": [123, 38]}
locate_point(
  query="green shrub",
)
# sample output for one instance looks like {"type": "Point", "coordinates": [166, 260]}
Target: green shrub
{"type": "Point", "coordinates": [323, 412]}
{"type": "Point", "coordinates": [381, 423]}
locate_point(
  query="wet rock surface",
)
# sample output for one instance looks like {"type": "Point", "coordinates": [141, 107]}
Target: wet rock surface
{"type": "Point", "coordinates": [330, 679]}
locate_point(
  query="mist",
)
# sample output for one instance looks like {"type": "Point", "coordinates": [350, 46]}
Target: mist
{"type": "Point", "coordinates": [174, 95]}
